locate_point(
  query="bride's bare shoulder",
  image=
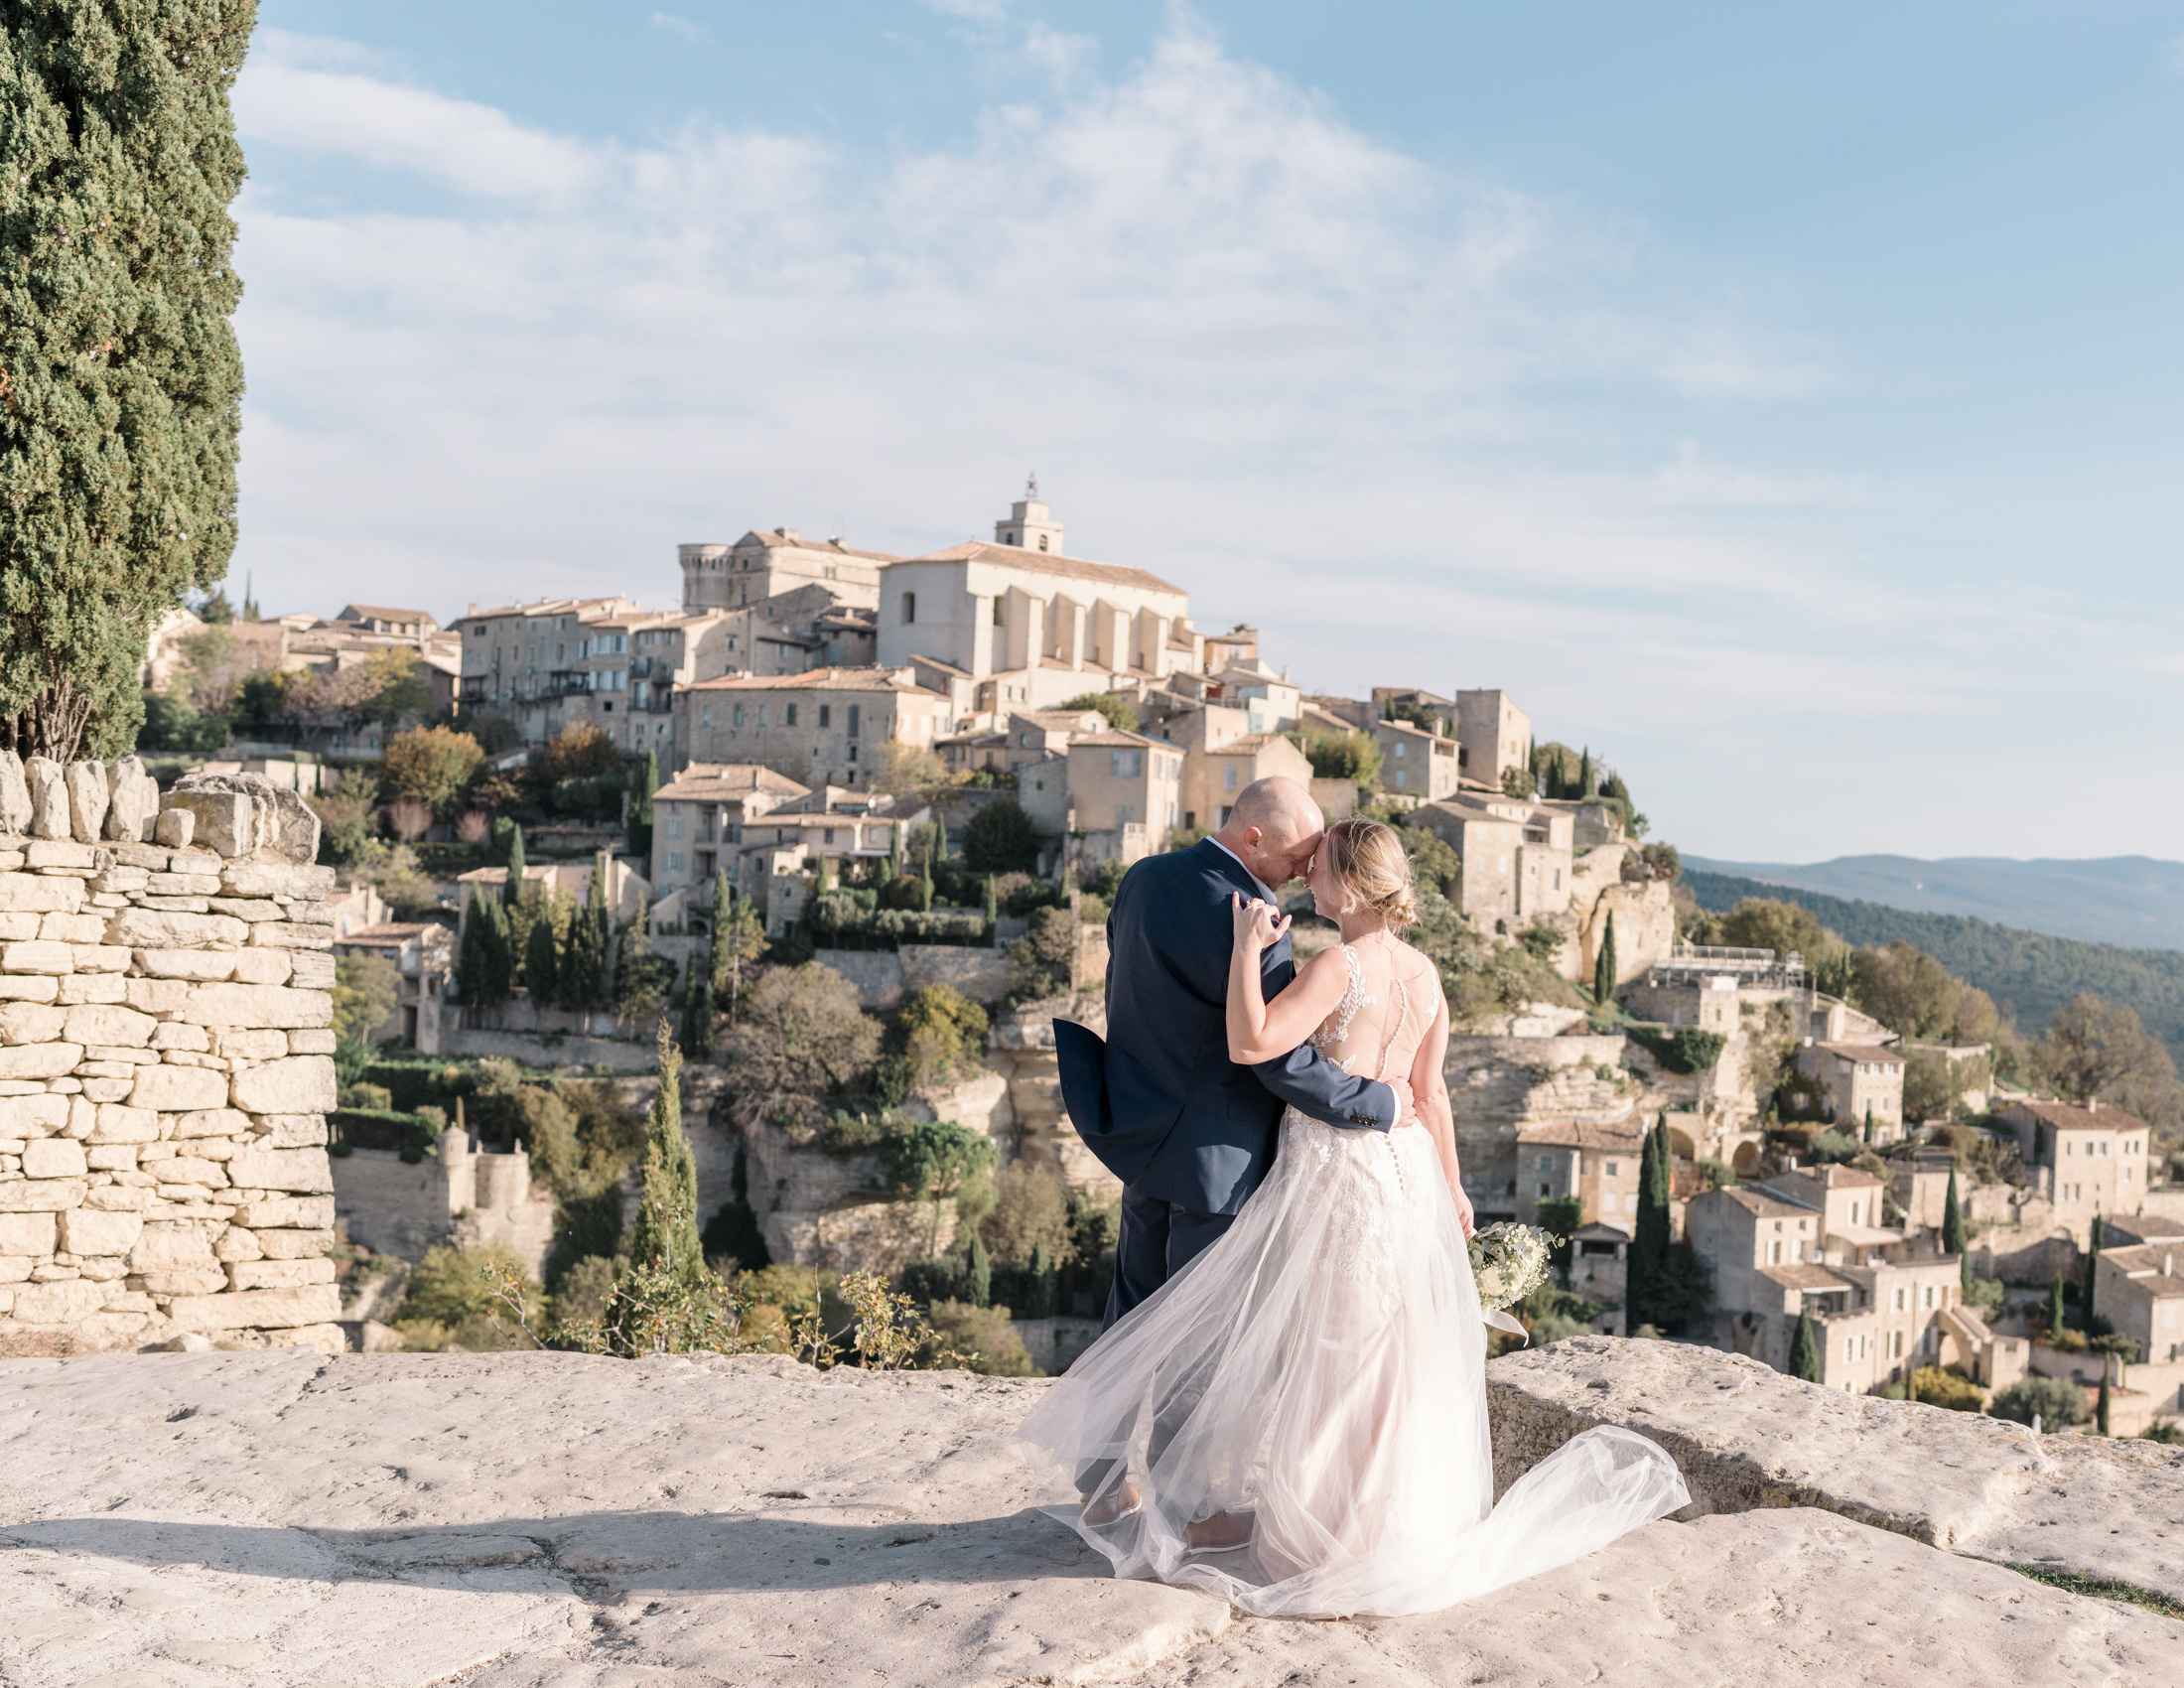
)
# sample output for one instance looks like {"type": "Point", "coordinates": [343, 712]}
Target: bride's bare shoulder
{"type": "Point", "coordinates": [1416, 968]}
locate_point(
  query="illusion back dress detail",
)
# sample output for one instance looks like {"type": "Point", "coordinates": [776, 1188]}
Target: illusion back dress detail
{"type": "Point", "coordinates": [1319, 1374]}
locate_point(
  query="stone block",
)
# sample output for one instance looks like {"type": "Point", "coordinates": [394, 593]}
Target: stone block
{"type": "Point", "coordinates": [118, 1124]}
{"type": "Point", "coordinates": [72, 928]}
{"type": "Point", "coordinates": [38, 957]}
{"type": "Point", "coordinates": [84, 1230]}
{"type": "Point", "coordinates": [156, 996]}
{"type": "Point", "coordinates": [119, 1198]}
{"type": "Point", "coordinates": [157, 928]}
{"type": "Point", "coordinates": [58, 1303]}
{"type": "Point", "coordinates": [292, 1130]}
{"type": "Point", "coordinates": [34, 1116]}
{"type": "Point", "coordinates": [87, 799]}
{"type": "Point", "coordinates": [293, 1244]}
{"type": "Point", "coordinates": [193, 964]}
{"type": "Point", "coordinates": [132, 800]}
{"type": "Point", "coordinates": [185, 1280]}
{"type": "Point", "coordinates": [110, 1024]}
{"type": "Point", "coordinates": [40, 1194]}
{"type": "Point", "coordinates": [22, 988]}
{"type": "Point", "coordinates": [310, 1042]}
{"type": "Point", "coordinates": [66, 856]}
{"type": "Point", "coordinates": [235, 1244]}
{"type": "Point", "coordinates": [173, 1035]}
{"type": "Point", "coordinates": [224, 819]}
{"type": "Point", "coordinates": [149, 857]}
{"type": "Point", "coordinates": [30, 1234]}
{"type": "Point", "coordinates": [263, 878]}
{"type": "Point", "coordinates": [249, 909]}
{"type": "Point", "coordinates": [14, 929]}
{"type": "Point", "coordinates": [31, 1022]}
{"type": "Point", "coordinates": [258, 1006]}
{"type": "Point", "coordinates": [295, 1084]}
{"type": "Point", "coordinates": [246, 1046]}
{"type": "Point", "coordinates": [110, 1089]}
{"type": "Point", "coordinates": [302, 1170]}
{"type": "Point", "coordinates": [111, 1157]}
{"type": "Point", "coordinates": [264, 1215]}
{"type": "Point", "coordinates": [287, 934]}
{"type": "Point", "coordinates": [166, 1244]}
{"type": "Point", "coordinates": [279, 1274]}
{"type": "Point", "coordinates": [53, 1157]}
{"type": "Point", "coordinates": [212, 1122]}
{"type": "Point", "coordinates": [14, 795]}
{"type": "Point", "coordinates": [312, 971]}
{"type": "Point", "coordinates": [39, 1061]}
{"type": "Point", "coordinates": [264, 966]}
{"type": "Point", "coordinates": [49, 789]}
{"type": "Point", "coordinates": [205, 1174]}
{"type": "Point", "coordinates": [102, 957]}
{"type": "Point", "coordinates": [91, 987]}
{"type": "Point", "coordinates": [36, 894]}
{"type": "Point", "coordinates": [176, 828]}
{"type": "Point", "coordinates": [178, 1089]}
{"type": "Point", "coordinates": [198, 886]}
{"type": "Point", "coordinates": [260, 1309]}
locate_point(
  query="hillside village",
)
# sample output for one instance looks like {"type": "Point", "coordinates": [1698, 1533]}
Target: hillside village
{"type": "Point", "coordinates": [849, 822]}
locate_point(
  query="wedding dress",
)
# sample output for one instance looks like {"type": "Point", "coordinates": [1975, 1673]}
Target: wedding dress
{"type": "Point", "coordinates": [1316, 1381]}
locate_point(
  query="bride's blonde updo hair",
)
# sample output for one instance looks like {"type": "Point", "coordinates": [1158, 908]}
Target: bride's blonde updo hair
{"type": "Point", "coordinates": [1369, 864]}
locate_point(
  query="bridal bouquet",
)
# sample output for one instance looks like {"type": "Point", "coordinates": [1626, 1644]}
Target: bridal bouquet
{"type": "Point", "coordinates": [1509, 1261]}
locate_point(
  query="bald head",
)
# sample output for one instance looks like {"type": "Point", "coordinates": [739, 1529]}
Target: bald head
{"type": "Point", "coordinates": [1273, 829]}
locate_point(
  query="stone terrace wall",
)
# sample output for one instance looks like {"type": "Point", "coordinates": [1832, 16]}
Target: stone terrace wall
{"type": "Point", "coordinates": [164, 1063]}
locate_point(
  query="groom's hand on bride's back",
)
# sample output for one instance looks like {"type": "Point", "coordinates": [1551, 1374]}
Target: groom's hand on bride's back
{"type": "Point", "coordinates": [1406, 1102]}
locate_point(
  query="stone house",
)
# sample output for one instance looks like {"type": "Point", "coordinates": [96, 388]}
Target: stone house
{"type": "Point", "coordinates": [379, 618]}
{"type": "Point", "coordinates": [803, 628]}
{"type": "Point", "coordinates": [422, 955]}
{"type": "Point", "coordinates": [1271, 704]}
{"type": "Point", "coordinates": [698, 821]}
{"type": "Point", "coordinates": [1517, 858]}
{"type": "Point", "coordinates": [1680, 998]}
{"type": "Point", "coordinates": [762, 566]}
{"type": "Point", "coordinates": [1856, 1079]}
{"type": "Point", "coordinates": [520, 661]}
{"type": "Point", "coordinates": [1017, 736]}
{"type": "Point", "coordinates": [1042, 793]}
{"type": "Point", "coordinates": [1030, 624]}
{"type": "Point", "coordinates": [826, 727]}
{"type": "Point", "coordinates": [2085, 1160]}
{"type": "Point", "coordinates": [1493, 734]}
{"type": "Point", "coordinates": [2141, 1292]}
{"type": "Point", "coordinates": [1415, 763]}
{"type": "Point", "coordinates": [1599, 1266]}
{"type": "Point", "coordinates": [1238, 649]}
{"type": "Point", "coordinates": [1214, 776]}
{"type": "Point", "coordinates": [1595, 1161]}
{"type": "Point", "coordinates": [1124, 785]}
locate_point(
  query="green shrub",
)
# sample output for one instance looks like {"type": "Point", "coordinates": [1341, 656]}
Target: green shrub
{"type": "Point", "coordinates": [451, 1299]}
{"type": "Point", "coordinates": [985, 1338]}
{"type": "Point", "coordinates": [2165, 1430]}
{"type": "Point", "coordinates": [1684, 1050]}
{"type": "Point", "coordinates": [1832, 1148]}
{"type": "Point", "coordinates": [1985, 1297]}
{"type": "Point", "coordinates": [372, 1098]}
{"type": "Point", "coordinates": [2058, 1403]}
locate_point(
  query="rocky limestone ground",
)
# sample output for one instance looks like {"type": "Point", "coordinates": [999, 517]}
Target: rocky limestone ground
{"type": "Point", "coordinates": [499, 1520]}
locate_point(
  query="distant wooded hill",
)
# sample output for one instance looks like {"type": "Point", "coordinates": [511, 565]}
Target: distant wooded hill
{"type": "Point", "coordinates": [2029, 974]}
{"type": "Point", "coordinates": [2133, 901]}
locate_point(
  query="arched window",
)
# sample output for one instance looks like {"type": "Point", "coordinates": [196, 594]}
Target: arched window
{"type": "Point", "coordinates": [909, 607]}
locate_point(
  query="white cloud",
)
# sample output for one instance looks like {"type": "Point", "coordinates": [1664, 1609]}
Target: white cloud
{"type": "Point", "coordinates": [1411, 424]}
{"type": "Point", "coordinates": [668, 23]}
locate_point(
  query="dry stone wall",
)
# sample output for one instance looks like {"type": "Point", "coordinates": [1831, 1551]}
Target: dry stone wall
{"type": "Point", "coordinates": [166, 1044]}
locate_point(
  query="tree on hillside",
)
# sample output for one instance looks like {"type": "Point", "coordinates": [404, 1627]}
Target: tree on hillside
{"type": "Point", "coordinates": [583, 966]}
{"type": "Point", "coordinates": [999, 839]}
{"type": "Point", "coordinates": [1604, 968]}
{"type": "Point", "coordinates": [739, 938]}
{"type": "Point", "coordinates": [543, 950]}
{"type": "Point", "coordinates": [697, 1033]}
{"type": "Point", "coordinates": [2093, 1268]}
{"type": "Point", "coordinates": [366, 991]}
{"type": "Point", "coordinates": [666, 1231]}
{"type": "Point", "coordinates": [641, 805]}
{"type": "Point", "coordinates": [1649, 1241]}
{"type": "Point", "coordinates": [484, 967]}
{"type": "Point", "coordinates": [120, 382]}
{"type": "Point", "coordinates": [512, 890]}
{"type": "Point", "coordinates": [2100, 1051]}
{"type": "Point", "coordinates": [1762, 922]}
{"type": "Point", "coordinates": [1953, 1238]}
{"type": "Point", "coordinates": [432, 764]}
{"type": "Point", "coordinates": [1120, 711]}
{"type": "Point", "coordinates": [2055, 1308]}
{"type": "Point", "coordinates": [802, 1043]}
{"type": "Point", "coordinates": [580, 751]}
{"type": "Point", "coordinates": [1906, 990]}
{"type": "Point", "coordinates": [1354, 756]}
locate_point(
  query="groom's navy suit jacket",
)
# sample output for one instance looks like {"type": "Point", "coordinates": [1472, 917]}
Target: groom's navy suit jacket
{"type": "Point", "coordinates": [1160, 1102]}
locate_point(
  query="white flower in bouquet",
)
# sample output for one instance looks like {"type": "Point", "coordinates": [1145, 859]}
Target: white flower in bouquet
{"type": "Point", "coordinates": [1509, 1261]}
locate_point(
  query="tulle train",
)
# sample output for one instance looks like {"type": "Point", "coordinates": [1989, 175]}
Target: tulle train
{"type": "Point", "coordinates": [1312, 1390]}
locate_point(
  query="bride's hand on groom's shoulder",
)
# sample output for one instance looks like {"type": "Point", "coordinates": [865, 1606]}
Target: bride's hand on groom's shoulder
{"type": "Point", "coordinates": [1258, 923]}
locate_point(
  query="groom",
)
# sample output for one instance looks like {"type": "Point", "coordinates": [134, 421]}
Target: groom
{"type": "Point", "coordinates": [1189, 1132]}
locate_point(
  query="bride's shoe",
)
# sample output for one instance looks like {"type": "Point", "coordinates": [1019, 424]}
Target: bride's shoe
{"type": "Point", "coordinates": [1220, 1532]}
{"type": "Point", "coordinates": [1123, 1501]}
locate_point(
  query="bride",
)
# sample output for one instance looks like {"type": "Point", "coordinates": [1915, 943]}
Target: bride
{"type": "Point", "coordinates": [1297, 1420]}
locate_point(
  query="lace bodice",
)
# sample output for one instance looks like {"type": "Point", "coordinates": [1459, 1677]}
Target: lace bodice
{"type": "Point", "coordinates": [1334, 1031]}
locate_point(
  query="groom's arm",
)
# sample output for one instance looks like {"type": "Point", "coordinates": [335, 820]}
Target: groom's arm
{"type": "Point", "coordinates": [1312, 1085]}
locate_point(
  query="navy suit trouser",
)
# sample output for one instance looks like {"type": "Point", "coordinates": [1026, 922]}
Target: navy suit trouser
{"type": "Point", "coordinates": [1158, 1241]}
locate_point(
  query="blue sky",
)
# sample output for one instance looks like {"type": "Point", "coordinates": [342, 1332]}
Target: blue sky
{"type": "Point", "coordinates": [1787, 407]}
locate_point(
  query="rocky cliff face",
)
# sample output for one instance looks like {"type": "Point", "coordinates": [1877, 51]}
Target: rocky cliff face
{"type": "Point", "coordinates": [523, 1519]}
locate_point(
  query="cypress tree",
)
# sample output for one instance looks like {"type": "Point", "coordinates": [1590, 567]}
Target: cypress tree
{"type": "Point", "coordinates": [542, 953]}
{"type": "Point", "coordinates": [926, 879]}
{"type": "Point", "coordinates": [1649, 1241]}
{"type": "Point", "coordinates": [1954, 1240]}
{"type": "Point", "coordinates": [667, 1228]}
{"type": "Point", "coordinates": [1804, 1351]}
{"type": "Point", "coordinates": [977, 1273]}
{"type": "Point", "coordinates": [1039, 1294]}
{"type": "Point", "coordinates": [993, 902]}
{"type": "Point", "coordinates": [512, 891]}
{"type": "Point", "coordinates": [2101, 1402]}
{"type": "Point", "coordinates": [584, 961]}
{"type": "Point", "coordinates": [2055, 1308]}
{"type": "Point", "coordinates": [1585, 773]}
{"type": "Point", "coordinates": [471, 968]}
{"type": "Point", "coordinates": [641, 805]}
{"type": "Point", "coordinates": [697, 1033]}
{"type": "Point", "coordinates": [1604, 964]}
{"type": "Point", "coordinates": [2085, 1290]}
{"type": "Point", "coordinates": [120, 380]}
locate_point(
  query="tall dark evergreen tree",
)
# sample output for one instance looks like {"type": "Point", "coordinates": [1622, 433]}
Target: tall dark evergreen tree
{"type": "Point", "coordinates": [584, 961]}
{"type": "Point", "coordinates": [486, 968]}
{"type": "Point", "coordinates": [120, 380]}
{"type": "Point", "coordinates": [1605, 965]}
{"type": "Point", "coordinates": [2055, 1308]}
{"type": "Point", "coordinates": [512, 891]}
{"type": "Point", "coordinates": [1804, 1351]}
{"type": "Point", "coordinates": [2101, 1402]}
{"type": "Point", "coordinates": [1954, 1240]}
{"type": "Point", "coordinates": [641, 805]}
{"type": "Point", "coordinates": [977, 1273]}
{"type": "Point", "coordinates": [666, 1231]}
{"type": "Point", "coordinates": [2093, 1265]}
{"type": "Point", "coordinates": [697, 1034]}
{"type": "Point", "coordinates": [1649, 1241]}
{"type": "Point", "coordinates": [542, 953]}
{"type": "Point", "coordinates": [1585, 773]}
